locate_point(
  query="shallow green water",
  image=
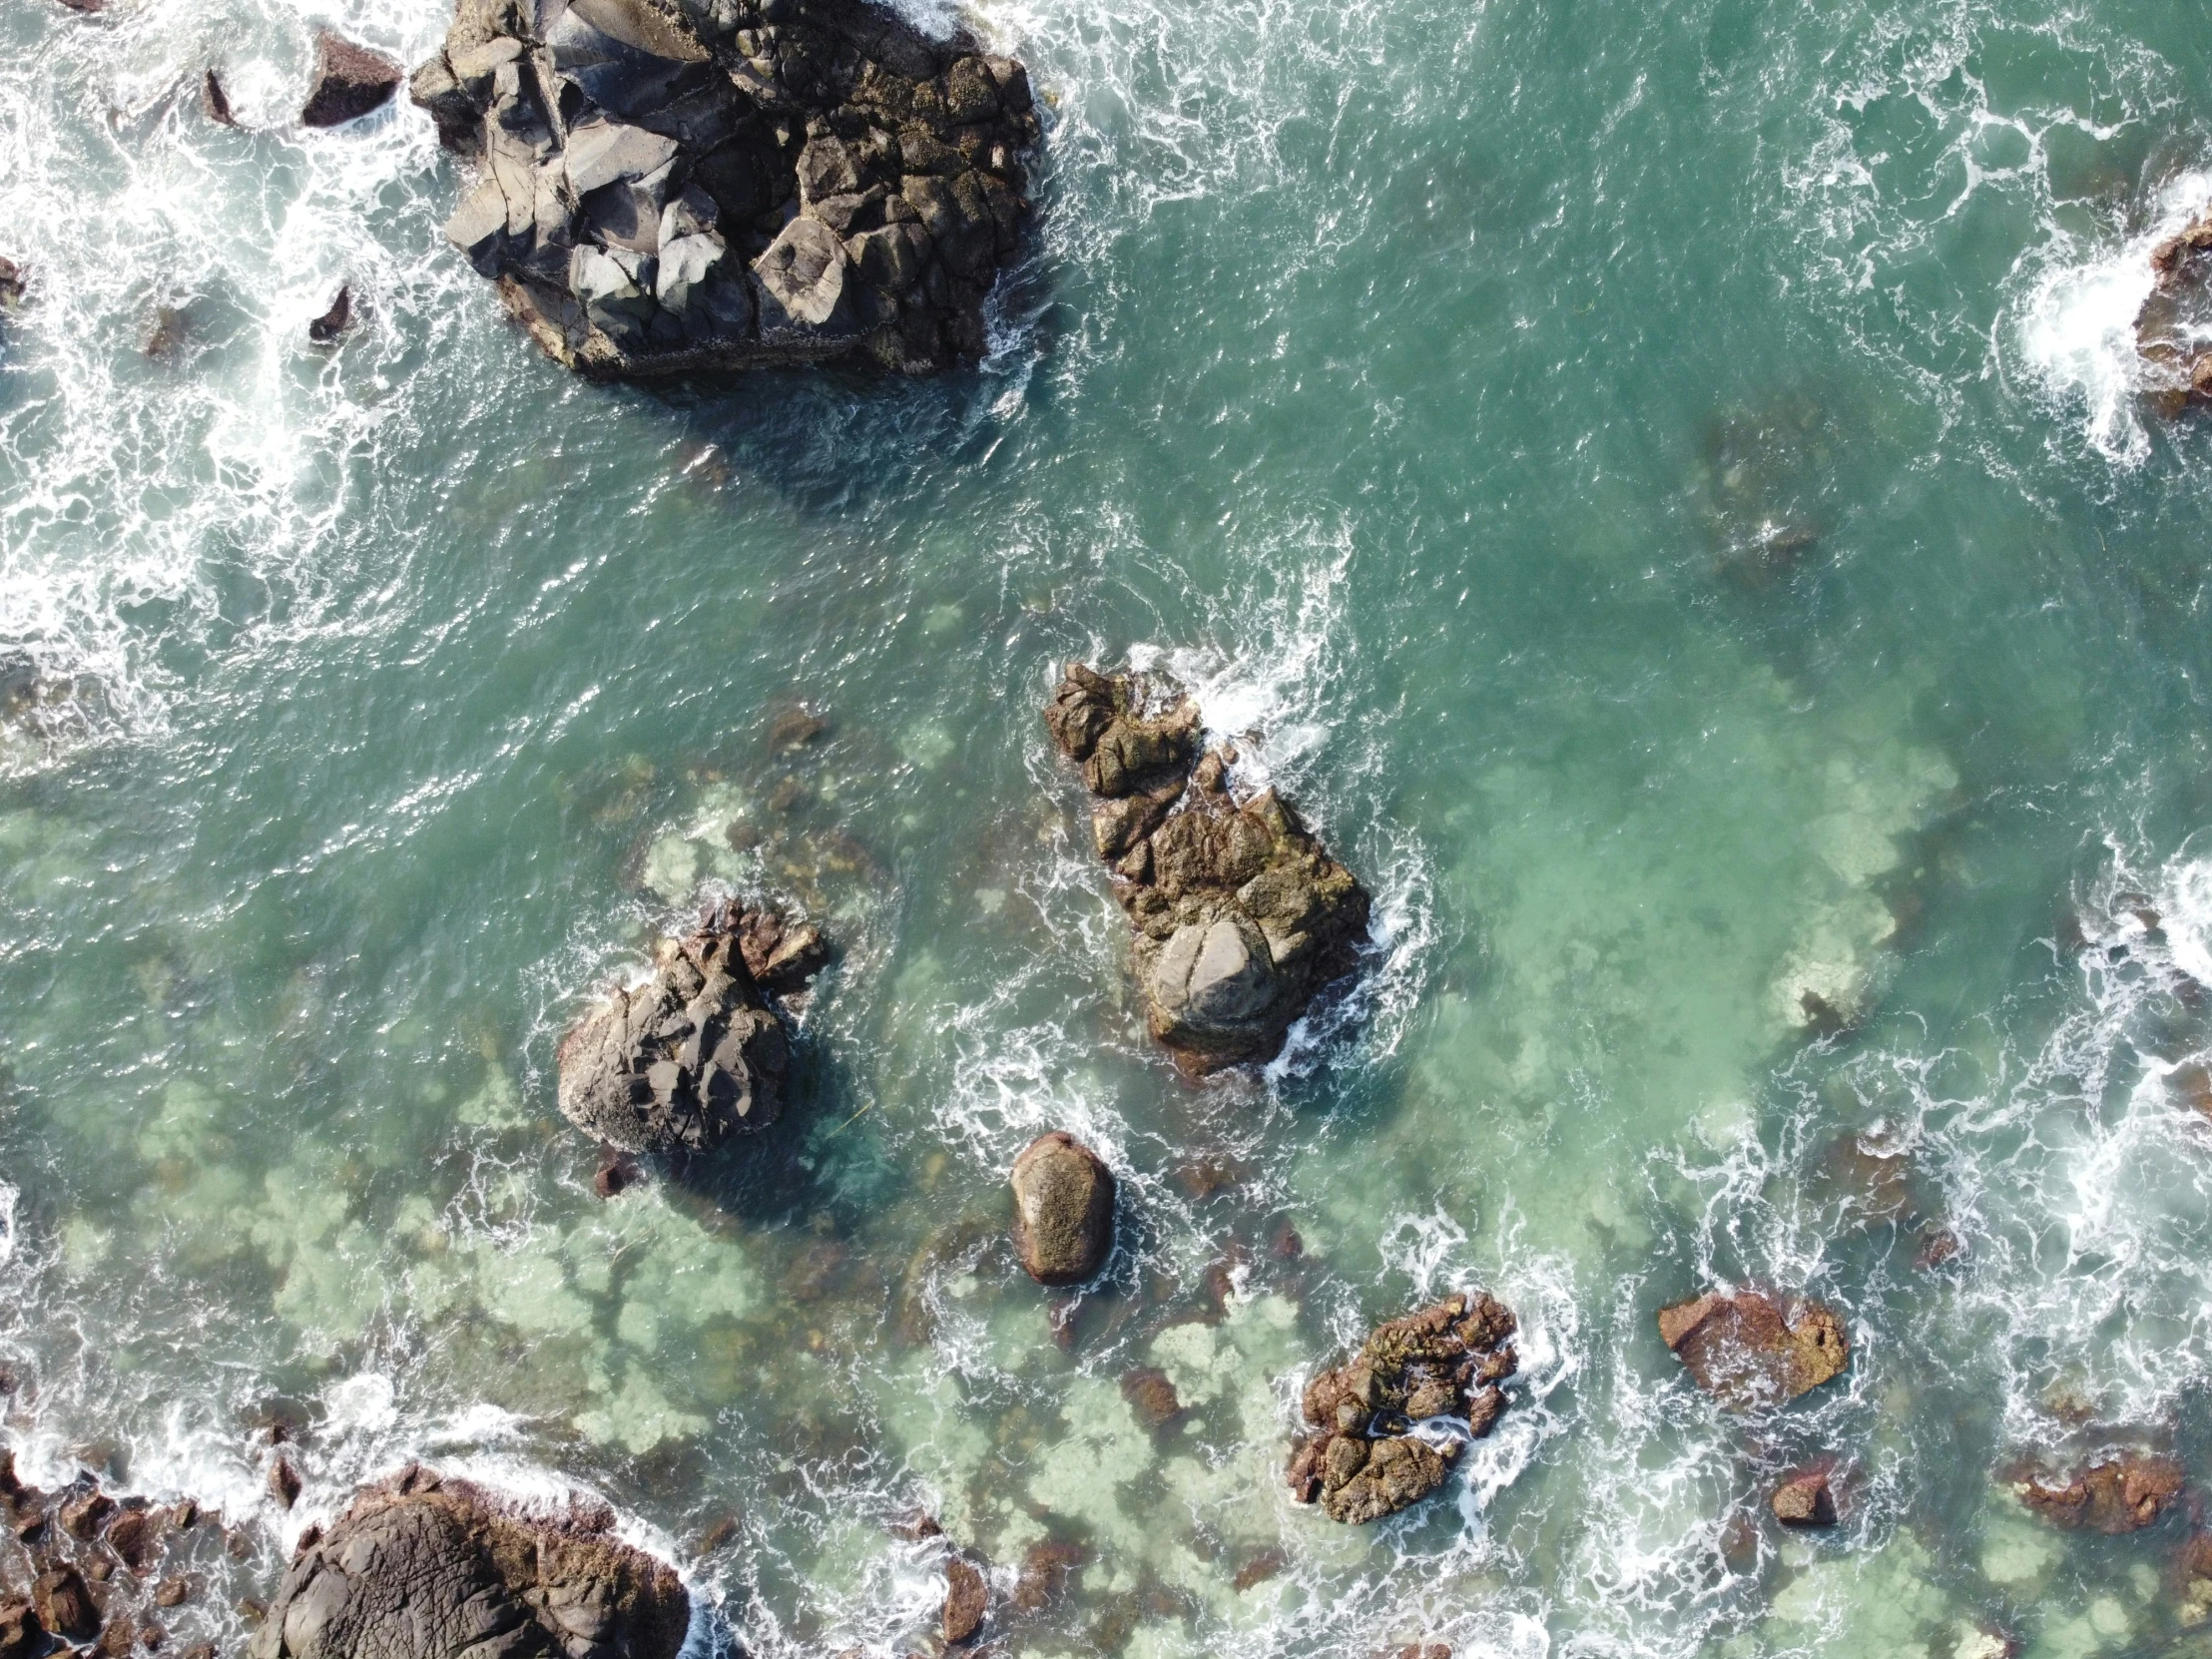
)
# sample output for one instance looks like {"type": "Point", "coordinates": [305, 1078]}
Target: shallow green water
{"type": "Point", "coordinates": [1449, 392]}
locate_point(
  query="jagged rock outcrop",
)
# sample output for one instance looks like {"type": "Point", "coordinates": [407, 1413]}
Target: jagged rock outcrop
{"type": "Point", "coordinates": [349, 82]}
{"type": "Point", "coordinates": [424, 1568]}
{"type": "Point", "coordinates": [1804, 1500]}
{"type": "Point", "coordinates": [1063, 1209]}
{"type": "Point", "coordinates": [2170, 327]}
{"type": "Point", "coordinates": [697, 1053]}
{"type": "Point", "coordinates": [1445, 1360]}
{"type": "Point", "coordinates": [1752, 1348]}
{"type": "Point", "coordinates": [2122, 1492]}
{"type": "Point", "coordinates": [1240, 915]}
{"type": "Point", "coordinates": [679, 184]}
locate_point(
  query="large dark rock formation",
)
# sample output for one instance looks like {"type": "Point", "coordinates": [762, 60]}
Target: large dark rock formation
{"type": "Point", "coordinates": [696, 1053]}
{"type": "Point", "coordinates": [1240, 915]}
{"type": "Point", "coordinates": [1446, 1361]}
{"type": "Point", "coordinates": [1752, 1348]}
{"type": "Point", "coordinates": [675, 185]}
{"type": "Point", "coordinates": [349, 82]}
{"type": "Point", "coordinates": [2171, 327]}
{"type": "Point", "coordinates": [1063, 1209]}
{"type": "Point", "coordinates": [424, 1568]}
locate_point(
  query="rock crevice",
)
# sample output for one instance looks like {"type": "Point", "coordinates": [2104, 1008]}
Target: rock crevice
{"type": "Point", "coordinates": [726, 184]}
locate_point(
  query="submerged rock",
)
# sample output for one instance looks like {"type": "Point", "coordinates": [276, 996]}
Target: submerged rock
{"type": "Point", "coordinates": [326, 328]}
{"type": "Point", "coordinates": [424, 1568]}
{"type": "Point", "coordinates": [349, 82]}
{"type": "Point", "coordinates": [1240, 915]}
{"type": "Point", "coordinates": [64, 1603]}
{"type": "Point", "coordinates": [723, 186]}
{"type": "Point", "coordinates": [696, 1053]}
{"type": "Point", "coordinates": [1752, 1348]}
{"type": "Point", "coordinates": [22, 1636]}
{"type": "Point", "coordinates": [1063, 1209]}
{"type": "Point", "coordinates": [2123, 1493]}
{"type": "Point", "coordinates": [1445, 1360]}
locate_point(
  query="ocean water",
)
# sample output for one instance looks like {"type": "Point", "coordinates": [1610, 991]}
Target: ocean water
{"type": "Point", "coordinates": [1663, 488]}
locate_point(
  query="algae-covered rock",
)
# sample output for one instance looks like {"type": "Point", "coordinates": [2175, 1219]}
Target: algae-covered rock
{"type": "Point", "coordinates": [1441, 1362]}
{"type": "Point", "coordinates": [1063, 1209]}
{"type": "Point", "coordinates": [1751, 1349]}
{"type": "Point", "coordinates": [696, 1053]}
{"type": "Point", "coordinates": [424, 1568]}
{"type": "Point", "coordinates": [1240, 915]}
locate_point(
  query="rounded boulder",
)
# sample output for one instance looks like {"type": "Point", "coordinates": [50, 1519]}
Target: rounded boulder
{"type": "Point", "coordinates": [1063, 1209]}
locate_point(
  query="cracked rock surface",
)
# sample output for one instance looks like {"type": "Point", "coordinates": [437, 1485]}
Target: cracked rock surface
{"type": "Point", "coordinates": [424, 1568]}
{"type": "Point", "coordinates": [697, 1053]}
{"type": "Point", "coordinates": [1446, 1361]}
{"type": "Point", "coordinates": [1240, 913]}
{"type": "Point", "coordinates": [1751, 1349]}
{"type": "Point", "coordinates": [679, 184]}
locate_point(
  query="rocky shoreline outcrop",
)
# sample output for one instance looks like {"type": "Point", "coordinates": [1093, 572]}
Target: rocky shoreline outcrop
{"type": "Point", "coordinates": [699, 1053]}
{"type": "Point", "coordinates": [2122, 1492]}
{"type": "Point", "coordinates": [1240, 915]}
{"type": "Point", "coordinates": [1751, 1349]}
{"type": "Point", "coordinates": [420, 1567]}
{"type": "Point", "coordinates": [728, 183]}
{"type": "Point", "coordinates": [1446, 1361]}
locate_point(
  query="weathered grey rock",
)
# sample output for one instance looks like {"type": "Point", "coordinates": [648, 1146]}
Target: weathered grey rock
{"type": "Point", "coordinates": [865, 183]}
{"type": "Point", "coordinates": [1063, 1209]}
{"type": "Point", "coordinates": [1240, 915]}
{"type": "Point", "coordinates": [424, 1568]}
{"type": "Point", "coordinates": [349, 81]}
{"type": "Point", "coordinates": [1442, 1362]}
{"type": "Point", "coordinates": [696, 1054]}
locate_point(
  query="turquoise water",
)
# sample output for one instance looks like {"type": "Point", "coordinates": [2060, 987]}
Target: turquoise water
{"type": "Point", "coordinates": [1661, 488]}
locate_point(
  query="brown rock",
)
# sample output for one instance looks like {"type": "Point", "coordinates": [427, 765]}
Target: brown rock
{"type": "Point", "coordinates": [172, 1592]}
{"type": "Point", "coordinates": [1805, 1501]}
{"type": "Point", "coordinates": [419, 1565]}
{"type": "Point", "coordinates": [1063, 1209]}
{"type": "Point", "coordinates": [1152, 1395]}
{"type": "Point", "coordinates": [326, 328]}
{"type": "Point", "coordinates": [349, 81]}
{"type": "Point", "coordinates": [86, 1516]}
{"type": "Point", "coordinates": [215, 102]}
{"type": "Point", "coordinates": [2120, 1493]}
{"type": "Point", "coordinates": [283, 1482]}
{"type": "Point", "coordinates": [22, 1636]}
{"type": "Point", "coordinates": [967, 1596]}
{"type": "Point", "coordinates": [1044, 1573]}
{"type": "Point", "coordinates": [1752, 1348]}
{"type": "Point", "coordinates": [117, 1640]}
{"type": "Point", "coordinates": [64, 1603]}
{"type": "Point", "coordinates": [1257, 1568]}
{"type": "Point", "coordinates": [1239, 915]}
{"type": "Point", "coordinates": [135, 1535]}
{"type": "Point", "coordinates": [1395, 1472]}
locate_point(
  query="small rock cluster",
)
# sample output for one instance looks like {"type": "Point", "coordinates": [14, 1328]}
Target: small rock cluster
{"type": "Point", "coordinates": [1240, 915]}
{"type": "Point", "coordinates": [724, 183]}
{"type": "Point", "coordinates": [696, 1053]}
{"type": "Point", "coordinates": [420, 1566]}
{"type": "Point", "coordinates": [1446, 1361]}
{"type": "Point", "coordinates": [1752, 1348]}
{"type": "Point", "coordinates": [92, 1557]}
{"type": "Point", "coordinates": [2171, 327]}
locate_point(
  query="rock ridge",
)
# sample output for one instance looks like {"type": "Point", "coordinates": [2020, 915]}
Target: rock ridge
{"type": "Point", "coordinates": [1240, 915]}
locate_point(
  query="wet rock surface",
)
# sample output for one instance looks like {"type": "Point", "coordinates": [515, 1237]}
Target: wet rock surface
{"type": "Point", "coordinates": [726, 184]}
{"type": "Point", "coordinates": [349, 82]}
{"type": "Point", "coordinates": [1240, 915]}
{"type": "Point", "coordinates": [422, 1568]}
{"type": "Point", "coordinates": [2120, 1493]}
{"type": "Point", "coordinates": [1752, 1348]}
{"type": "Point", "coordinates": [1446, 1361]}
{"type": "Point", "coordinates": [696, 1054]}
{"type": "Point", "coordinates": [1804, 1500]}
{"type": "Point", "coordinates": [2171, 326]}
{"type": "Point", "coordinates": [1063, 1209]}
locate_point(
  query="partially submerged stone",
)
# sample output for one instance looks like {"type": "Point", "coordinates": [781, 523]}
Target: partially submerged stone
{"type": "Point", "coordinates": [349, 82]}
{"type": "Point", "coordinates": [1063, 1209]}
{"type": "Point", "coordinates": [1804, 1500]}
{"type": "Point", "coordinates": [2171, 333]}
{"type": "Point", "coordinates": [2122, 1492]}
{"type": "Point", "coordinates": [966, 1598]}
{"type": "Point", "coordinates": [1443, 1362]}
{"type": "Point", "coordinates": [670, 188]}
{"type": "Point", "coordinates": [1752, 1348]}
{"type": "Point", "coordinates": [1240, 915]}
{"type": "Point", "coordinates": [424, 1568]}
{"type": "Point", "coordinates": [697, 1053]}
